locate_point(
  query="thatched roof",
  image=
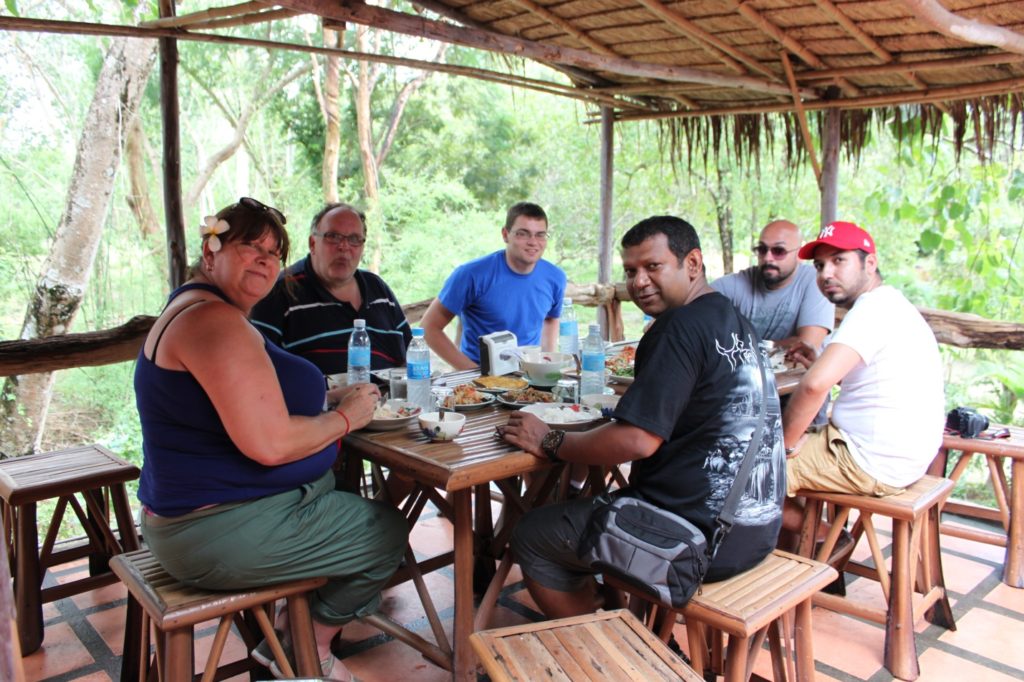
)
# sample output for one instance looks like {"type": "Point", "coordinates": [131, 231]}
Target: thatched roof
{"type": "Point", "coordinates": [694, 59]}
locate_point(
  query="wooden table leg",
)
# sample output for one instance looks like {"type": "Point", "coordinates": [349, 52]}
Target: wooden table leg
{"type": "Point", "coordinates": [803, 642]}
{"type": "Point", "coordinates": [483, 531]}
{"type": "Point", "coordinates": [178, 655]}
{"type": "Point", "coordinates": [1013, 567]}
{"type": "Point", "coordinates": [900, 645]}
{"type": "Point", "coordinates": [29, 580]}
{"type": "Point", "coordinates": [464, 668]}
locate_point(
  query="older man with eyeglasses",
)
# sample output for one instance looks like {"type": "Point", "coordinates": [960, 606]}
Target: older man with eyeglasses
{"type": "Point", "coordinates": [778, 295]}
{"type": "Point", "coordinates": [311, 309]}
{"type": "Point", "coordinates": [513, 289]}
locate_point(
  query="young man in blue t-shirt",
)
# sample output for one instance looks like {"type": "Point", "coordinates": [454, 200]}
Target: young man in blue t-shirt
{"type": "Point", "coordinates": [514, 290]}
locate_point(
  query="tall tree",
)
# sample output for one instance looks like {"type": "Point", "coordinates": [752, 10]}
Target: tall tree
{"type": "Point", "coordinates": [65, 274]}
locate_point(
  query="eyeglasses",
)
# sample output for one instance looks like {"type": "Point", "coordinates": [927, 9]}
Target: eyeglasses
{"type": "Point", "coordinates": [336, 238]}
{"type": "Point", "coordinates": [526, 234]}
{"type": "Point", "coordinates": [258, 205]}
{"type": "Point", "coordinates": [777, 251]}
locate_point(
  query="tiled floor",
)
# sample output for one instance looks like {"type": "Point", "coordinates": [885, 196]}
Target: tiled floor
{"type": "Point", "coordinates": [83, 634]}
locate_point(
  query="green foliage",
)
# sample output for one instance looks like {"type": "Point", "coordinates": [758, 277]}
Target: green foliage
{"type": "Point", "coordinates": [12, 7]}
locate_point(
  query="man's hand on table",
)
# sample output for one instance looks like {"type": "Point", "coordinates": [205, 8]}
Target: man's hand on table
{"type": "Point", "coordinates": [525, 431]}
{"type": "Point", "coordinates": [800, 352]}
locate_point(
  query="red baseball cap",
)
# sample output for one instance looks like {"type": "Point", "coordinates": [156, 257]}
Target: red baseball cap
{"type": "Point", "coordinates": [841, 235]}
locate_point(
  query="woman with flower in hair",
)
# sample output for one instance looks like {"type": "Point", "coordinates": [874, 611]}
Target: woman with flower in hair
{"type": "Point", "coordinates": [236, 483]}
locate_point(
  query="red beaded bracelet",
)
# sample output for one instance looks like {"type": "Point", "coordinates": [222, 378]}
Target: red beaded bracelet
{"type": "Point", "coordinates": [348, 426]}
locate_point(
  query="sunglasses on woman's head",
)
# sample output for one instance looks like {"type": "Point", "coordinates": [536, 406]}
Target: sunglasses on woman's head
{"type": "Point", "coordinates": [258, 205]}
{"type": "Point", "coordinates": [777, 251]}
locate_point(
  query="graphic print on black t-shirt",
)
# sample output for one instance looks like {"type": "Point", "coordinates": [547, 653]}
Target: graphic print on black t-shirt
{"type": "Point", "coordinates": [698, 387]}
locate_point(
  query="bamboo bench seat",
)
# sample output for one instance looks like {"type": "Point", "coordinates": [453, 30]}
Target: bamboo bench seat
{"type": "Point", "coordinates": [608, 646]}
{"type": "Point", "coordinates": [91, 472]}
{"type": "Point", "coordinates": [748, 607]}
{"type": "Point", "coordinates": [174, 609]}
{"type": "Point", "coordinates": [916, 562]}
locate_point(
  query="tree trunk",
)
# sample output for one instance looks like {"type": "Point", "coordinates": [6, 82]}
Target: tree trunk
{"type": "Point", "coordinates": [364, 134]}
{"type": "Point", "coordinates": [332, 119]}
{"type": "Point", "coordinates": [723, 213]}
{"type": "Point", "coordinates": [138, 193]}
{"type": "Point", "coordinates": [65, 274]}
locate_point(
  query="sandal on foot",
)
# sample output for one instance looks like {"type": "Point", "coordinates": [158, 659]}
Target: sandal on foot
{"type": "Point", "coordinates": [264, 655]}
{"type": "Point", "coordinates": [326, 666]}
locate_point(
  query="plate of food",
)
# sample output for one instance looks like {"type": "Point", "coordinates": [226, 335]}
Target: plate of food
{"type": "Point", "coordinates": [466, 397]}
{"type": "Point", "coordinates": [393, 414]}
{"type": "Point", "coordinates": [525, 396]}
{"type": "Point", "coordinates": [562, 416]}
{"type": "Point", "coordinates": [621, 365]}
{"type": "Point", "coordinates": [500, 384]}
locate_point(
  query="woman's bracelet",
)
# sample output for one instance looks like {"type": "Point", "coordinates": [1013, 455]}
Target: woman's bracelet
{"type": "Point", "coordinates": [348, 425]}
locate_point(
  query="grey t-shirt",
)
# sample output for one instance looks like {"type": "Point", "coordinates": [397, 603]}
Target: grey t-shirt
{"type": "Point", "coordinates": [777, 314]}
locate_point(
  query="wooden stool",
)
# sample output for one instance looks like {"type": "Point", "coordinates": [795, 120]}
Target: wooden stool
{"type": "Point", "coordinates": [174, 609]}
{"type": "Point", "coordinates": [916, 562]}
{"type": "Point", "coordinates": [11, 667]}
{"type": "Point", "coordinates": [608, 646]}
{"type": "Point", "coordinates": [1009, 494]}
{"type": "Point", "coordinates": [99, 477]}
{"type": "Point", "coordinates": [747, 607]}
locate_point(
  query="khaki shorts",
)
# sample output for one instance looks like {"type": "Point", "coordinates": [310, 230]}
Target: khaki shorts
{"type": "Point", "coordinates": [824, 463]}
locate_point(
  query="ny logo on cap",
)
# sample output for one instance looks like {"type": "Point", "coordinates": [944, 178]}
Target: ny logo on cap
{"type": "Point", "coordinates": [826, 231]}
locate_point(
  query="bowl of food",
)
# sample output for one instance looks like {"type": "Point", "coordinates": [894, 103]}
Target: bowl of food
{"type": "Point", "coordinates": [605, 404]}
{"type": "Point", "coordinates": [393, 414]}
{"type": "Point", "coordinates": [544, 369]}
{"type": "Point", "coordinates": [436, 429]}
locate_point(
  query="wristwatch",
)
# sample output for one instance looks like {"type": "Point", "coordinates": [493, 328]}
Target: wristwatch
{"type": "Point", "coordinates": [551, 442]}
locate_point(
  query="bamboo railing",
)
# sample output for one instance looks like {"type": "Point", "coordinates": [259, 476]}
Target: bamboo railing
{"type": "Point", "coordinates": [122, 343]}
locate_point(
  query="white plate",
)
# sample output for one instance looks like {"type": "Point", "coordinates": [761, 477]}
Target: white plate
{"type": "Point", "coordinates": [539, 410]}
{"type": "Point", "coordinates": [385, 374]}
{"type": "Point", "coordinates": [393, 423]}
{"type": "Point", "coordinates": [510, 403]}
{"type": "Point", "coordinates": [488, 400]}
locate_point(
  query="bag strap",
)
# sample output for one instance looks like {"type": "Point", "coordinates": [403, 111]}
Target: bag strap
{"type": "Point", "coordinates": [727, 516]}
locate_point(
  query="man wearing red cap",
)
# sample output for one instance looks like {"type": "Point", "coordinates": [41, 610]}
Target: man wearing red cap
{"type": "Point", "coordinates": [886, 424]}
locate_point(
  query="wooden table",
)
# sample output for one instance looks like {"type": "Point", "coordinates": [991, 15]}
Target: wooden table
{"type": "Point", "coordinates": [1009, 495]}
{"type": "Point", "coordinates": [466, 465]}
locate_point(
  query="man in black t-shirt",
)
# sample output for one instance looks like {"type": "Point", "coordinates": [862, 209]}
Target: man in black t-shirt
{"type": "Point", "coordinates": [685, 423]}
{"type": "Point", "coordinates": [311, 309]}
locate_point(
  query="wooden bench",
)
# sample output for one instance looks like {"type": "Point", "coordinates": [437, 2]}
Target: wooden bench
{"type": "Point", "coordinates": [10, 652]}
{"type": "Point", "coordinates": [608, 646]}
{"type": "Point", "coordinates": [1009, 494]}
{"type": "Point", "coordinates": [747, 607]}
{"type": "Point", "coordinates": [174, 609]}
{"type": "Point", "coordinates": [91, 472]}
{"type": "Point", "coordinates": [916, 562]}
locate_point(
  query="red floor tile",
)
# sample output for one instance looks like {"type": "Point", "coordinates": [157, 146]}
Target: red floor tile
{"type": "Point", "coordinates": [61, 652]}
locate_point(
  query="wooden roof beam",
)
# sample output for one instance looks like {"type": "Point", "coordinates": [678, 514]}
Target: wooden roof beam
{"type": "Point", "coordinates": [805, 130]}
{"type": "Point", "coordinates": [754, 17]}
{"type": "Point", "coordinates": [555, 20]}
{"type": "Point", "coordinates": [87, 28]}
{"type": "Point", "coordinates": [992, 59]}
{"type": "Point", "coordinates": [868, 42]}
{"type": "Point", "coordinates": [360, 13]}
{"type": "Point", "coordinates": [243, 20]}
{"type": "Point", "coordinates": [931, 96]}
{"type": "Point", "coordinates": [204, 15]}
{"type": "Point", "coordinates": [962, 28]}
{"type": "Point", "coordinates": [727, 54]}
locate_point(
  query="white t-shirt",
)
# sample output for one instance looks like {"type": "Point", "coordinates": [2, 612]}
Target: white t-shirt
{"type": "Point", "coordinates": [891, 404]}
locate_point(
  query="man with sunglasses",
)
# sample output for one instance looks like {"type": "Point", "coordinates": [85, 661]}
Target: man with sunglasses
{"type": "Point", "coordinates": [311, 309]}
{"type": "Point", "coordinates": [513, 289]}
{"type": "Point", "coordinates": [779, 295]}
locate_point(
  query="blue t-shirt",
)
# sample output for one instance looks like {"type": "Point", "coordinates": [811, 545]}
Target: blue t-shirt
{"type": "Point", "coordinates": [490, 296]}
{"type": "Point", "coordinates": [190, 461]}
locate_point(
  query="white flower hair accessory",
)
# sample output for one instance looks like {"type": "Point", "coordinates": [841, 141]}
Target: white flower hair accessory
{"type": "Point", "coordinates": [212, 226]}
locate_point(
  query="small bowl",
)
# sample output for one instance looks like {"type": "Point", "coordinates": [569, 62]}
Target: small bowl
{"type": "Point", "coordinates": [599, 402]}
{"type": "Point", "coordinates": [544, 369]}
{"type": "Point", "coordinates": [437, 430]}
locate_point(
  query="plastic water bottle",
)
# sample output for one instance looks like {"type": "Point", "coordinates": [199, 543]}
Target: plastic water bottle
{"type": "Point", "coordinates": [417, 366]}
{"type": "Point", "coordinates": [359, 354]}
{"type": "Point", "coordinates": [568, 329]}
{"type": "Point", "coordinates": [592, 379]}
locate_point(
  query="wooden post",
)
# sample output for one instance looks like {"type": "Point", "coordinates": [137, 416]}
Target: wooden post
{"type": "Point", "coordinates": [177, 258]}
{"type": "Point", "coordinates": [829, 184]}
{"type": "Point", "coordinates": [607, 315]}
